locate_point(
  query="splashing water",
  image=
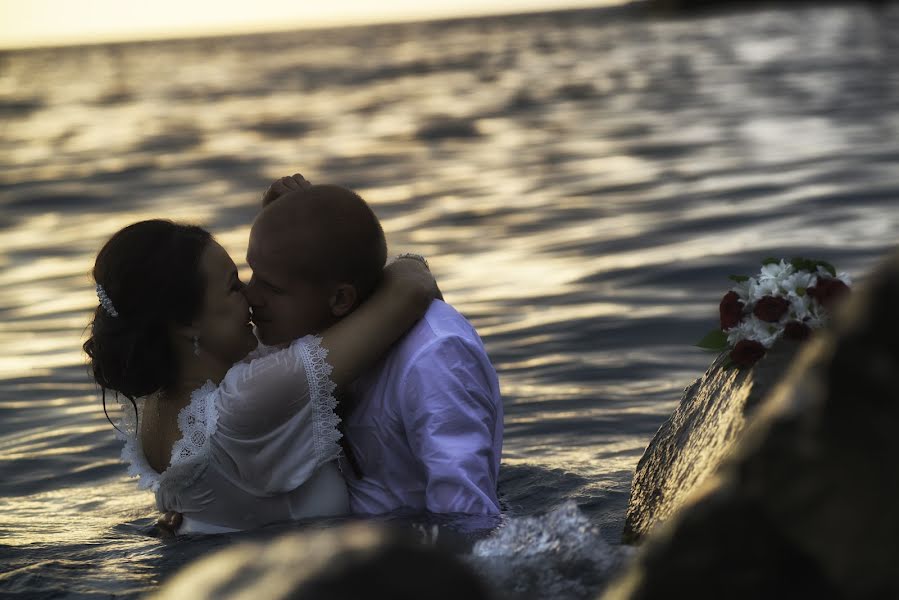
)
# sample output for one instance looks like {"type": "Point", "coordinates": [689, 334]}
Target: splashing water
{"type": "Point", "coordinates": [558, 555]}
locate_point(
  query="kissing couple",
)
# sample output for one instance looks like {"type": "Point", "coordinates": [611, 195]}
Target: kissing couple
{"type": "Point", "coordinates": [351, 387]}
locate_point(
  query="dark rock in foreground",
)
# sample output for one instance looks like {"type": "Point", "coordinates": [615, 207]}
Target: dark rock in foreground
{"type": "Point", "coordinates": [807, 506]}
{"type": "Point", "coordinates": [699, 434]}
{"type": "Point", "coordinates": [353, 561]}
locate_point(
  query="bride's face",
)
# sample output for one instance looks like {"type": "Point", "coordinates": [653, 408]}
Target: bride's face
{"type": "Point", "coordinates": [224, 323]}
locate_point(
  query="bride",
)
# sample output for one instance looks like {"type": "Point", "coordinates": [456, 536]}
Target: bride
{"type": "Point", "coordinates": [230, 435]}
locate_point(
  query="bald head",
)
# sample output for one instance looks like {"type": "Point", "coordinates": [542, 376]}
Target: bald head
{"type": "Point", "coordinates": [326, 232]}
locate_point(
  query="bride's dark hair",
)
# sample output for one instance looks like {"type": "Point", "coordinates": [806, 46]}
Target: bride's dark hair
{"type": "Point", "coordinates": [150, 273]}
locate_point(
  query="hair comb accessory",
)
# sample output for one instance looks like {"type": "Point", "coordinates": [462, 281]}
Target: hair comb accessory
{"type": "Point", "coordinates": [105, 302]}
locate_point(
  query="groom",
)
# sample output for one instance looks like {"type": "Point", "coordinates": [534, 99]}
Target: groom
{"type": "Point", "coordinates": [424, 427]}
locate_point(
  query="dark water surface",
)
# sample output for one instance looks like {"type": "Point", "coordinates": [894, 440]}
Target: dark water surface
{"type": "Point", "coordinates": [582, 183]}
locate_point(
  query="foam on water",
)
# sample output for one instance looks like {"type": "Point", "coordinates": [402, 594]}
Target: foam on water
{"type": "Point", "coordinates": [558, 555]}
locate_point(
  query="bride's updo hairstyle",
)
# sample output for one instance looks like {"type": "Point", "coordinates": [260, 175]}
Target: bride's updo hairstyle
{"type": "Point", "coordinates": [150, 275]}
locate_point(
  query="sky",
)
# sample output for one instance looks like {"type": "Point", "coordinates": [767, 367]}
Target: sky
{"type": "Point", "coordinates": [25, 23]}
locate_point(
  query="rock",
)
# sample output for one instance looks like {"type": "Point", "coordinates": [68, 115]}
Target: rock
{"type": "Point", "coordinates": [807, 505]}
{"type": "Point", "coordinates": [359, 560]}
{"type": "Point", "coordinates": [699, 434]}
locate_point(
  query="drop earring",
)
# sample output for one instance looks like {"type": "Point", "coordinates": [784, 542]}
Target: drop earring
{"type": "Point", "coordinates": [196, 346]}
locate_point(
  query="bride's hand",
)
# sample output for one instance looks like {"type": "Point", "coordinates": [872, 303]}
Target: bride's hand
{"type": "Point", "coordinates": [361, 338]}
{"type": "Point", "coordinates": [169, 523]}
{"type": "Point", "coordinates": [411, 273]}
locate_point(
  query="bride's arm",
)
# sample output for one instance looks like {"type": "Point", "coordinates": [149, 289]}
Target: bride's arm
{"type": "Point", "coordinates": [259, 406]}
{"type": "Point", "coordinates": [362, 337]}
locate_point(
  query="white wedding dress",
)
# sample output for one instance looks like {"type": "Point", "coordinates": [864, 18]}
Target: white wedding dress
{"type": "Point", "coordinates": [258, 448]}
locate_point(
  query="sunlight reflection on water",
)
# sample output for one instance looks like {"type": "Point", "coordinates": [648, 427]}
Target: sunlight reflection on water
{"type": "Point", "coordinates": [581, 186]}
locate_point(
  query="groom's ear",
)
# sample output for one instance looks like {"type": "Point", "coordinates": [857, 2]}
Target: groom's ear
{"type": "Point", "coordinates": [343, 300]}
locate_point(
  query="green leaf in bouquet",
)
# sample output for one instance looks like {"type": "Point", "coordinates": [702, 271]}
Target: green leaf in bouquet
{"type": "Point", "coordinates": [770, 261]}
{"type": "Point", "coordinates": [738, 278]}
{"type": "Point", "coordinates": [827, 266]}
{"type": "Point", "coordinates": [803, 264]}
{"type": "Point", "coordinates": [715, 340]}
{"type": "Point", "coordinates": [810, 265]}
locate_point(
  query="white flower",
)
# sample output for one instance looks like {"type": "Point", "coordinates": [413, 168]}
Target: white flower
{"type": "Point", "coordinates": [742, 290]}
{"type": "Point", "coordinates": [740, 331]}
{"type": "Point", "coordinates": [842, 276]}
{"type": "Point", "coordinates": [776, 271]}
{"type": "Point", "coordinates": [753, 328]}
{"type": "Point", "coordinates": [815, 321]}
{"type": "Point", "coordinates": [800, 279]}
{"type": "Point", "coordinates": [800, 307]}
{"type": "Point", "coordinates": [759, 288]}
{"type": "Point", "coordinates": [766, 333]}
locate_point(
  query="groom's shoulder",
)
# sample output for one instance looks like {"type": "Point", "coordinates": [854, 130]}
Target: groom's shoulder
{"type": "Point", "coordinates": [443, 320]}
{"type": "Point", "coordinates": [442, 324]}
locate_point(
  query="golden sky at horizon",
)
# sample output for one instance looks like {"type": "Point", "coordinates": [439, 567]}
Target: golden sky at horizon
{"type": "Point", "coordinates": [28, 23]}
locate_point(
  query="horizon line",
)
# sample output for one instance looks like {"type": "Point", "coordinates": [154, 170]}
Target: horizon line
{"type": "Point", "coordinates": [323, 25]}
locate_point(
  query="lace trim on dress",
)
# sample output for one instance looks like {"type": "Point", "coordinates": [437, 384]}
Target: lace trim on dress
{"type": "Point", "coordinates": [133, 451]}
{"type": "Point", "coordinates": [197, 422]}
{"type": "Point", "coordinates": [325, 432]}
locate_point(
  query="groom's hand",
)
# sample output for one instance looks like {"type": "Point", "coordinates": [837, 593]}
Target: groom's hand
{"type": "Point", "coordinates": [283, 186]}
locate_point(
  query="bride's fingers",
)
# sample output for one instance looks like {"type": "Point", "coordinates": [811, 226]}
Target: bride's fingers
{"type": "Point", "coordinates": [414, 271]}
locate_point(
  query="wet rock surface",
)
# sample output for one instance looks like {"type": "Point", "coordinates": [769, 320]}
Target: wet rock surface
{"type": "Point", "coordinates": [807, 505]}
{"type": "Point", "coordinates": [699, 434]}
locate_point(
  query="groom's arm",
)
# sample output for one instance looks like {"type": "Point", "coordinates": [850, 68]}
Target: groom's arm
{"type": "Point", "coordinates": [452, 414]}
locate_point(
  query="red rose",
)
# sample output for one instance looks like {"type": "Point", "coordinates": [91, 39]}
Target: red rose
{"type": "Point", "coordinates": [796, 330]}
{"type": "Point", "coordinates": [731, 310]}
{"type": "Point", "coordinates": [746, 353]}
{"type": "Point", "coordinates": [771, 308]}
{"type": "Point", "coordinates": [828, 291]}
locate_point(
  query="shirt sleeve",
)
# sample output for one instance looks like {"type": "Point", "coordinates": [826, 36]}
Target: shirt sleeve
{"type": "Point", "coordinates": [452, 414]}
{"type": "Point", "coordinates": [276, 419]}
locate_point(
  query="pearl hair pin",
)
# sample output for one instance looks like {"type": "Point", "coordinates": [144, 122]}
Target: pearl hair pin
{"type": "Point", "coordinates": [105, 302]}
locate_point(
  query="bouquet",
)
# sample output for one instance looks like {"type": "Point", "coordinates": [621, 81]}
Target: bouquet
{"type": "Point", "coordinates": [786, 299]}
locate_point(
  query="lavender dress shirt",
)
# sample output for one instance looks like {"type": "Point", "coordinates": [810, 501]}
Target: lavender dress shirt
{"type": "Point", "coordinates": [426, 429]}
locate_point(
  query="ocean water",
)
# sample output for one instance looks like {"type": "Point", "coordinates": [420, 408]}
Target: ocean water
{"type": "Point", "coordinates": [582, 183]}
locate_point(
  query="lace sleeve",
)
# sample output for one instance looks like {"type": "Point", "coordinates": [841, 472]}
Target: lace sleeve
{"type": "Point", "coordinates": [262, 395]}
{"type": "Point", "coordinates": [324, 404]}
{"type": "Point", "coordinates": [276, 419]}
{"type": "Point", "coordinates": [197, 422]}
